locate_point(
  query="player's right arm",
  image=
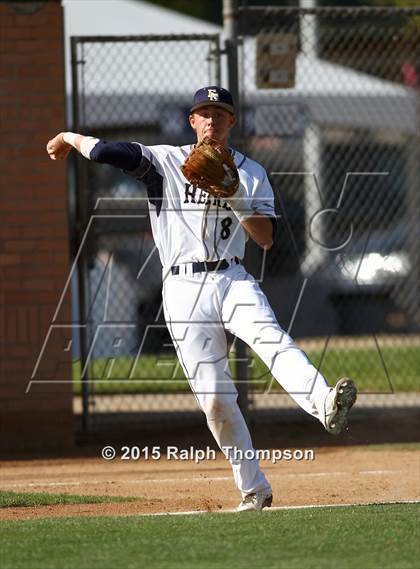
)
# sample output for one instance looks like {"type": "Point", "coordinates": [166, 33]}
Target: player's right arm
{"type": "Point", "coordinates": [124, 155]}
{"type": "Point", "coordinates": [59, 147]}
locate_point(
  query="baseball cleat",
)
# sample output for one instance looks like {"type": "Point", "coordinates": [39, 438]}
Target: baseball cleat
{"type": "Point", "coordinates": [338, 403]}
{"type": "Point", "coordinates": [255, 501]}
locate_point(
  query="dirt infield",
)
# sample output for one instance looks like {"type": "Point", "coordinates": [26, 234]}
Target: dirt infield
{"type": "Point", "coordinates": [353, 475]}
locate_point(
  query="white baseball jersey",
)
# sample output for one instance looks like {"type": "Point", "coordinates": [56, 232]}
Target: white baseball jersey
{"type": "Point", "coordinates": [188, 224]}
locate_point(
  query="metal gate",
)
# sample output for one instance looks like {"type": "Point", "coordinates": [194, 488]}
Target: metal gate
{"type": "Point", "coordinates": [127, 88]}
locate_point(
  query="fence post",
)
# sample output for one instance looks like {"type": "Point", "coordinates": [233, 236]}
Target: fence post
{"type": "Point", "coordinates": [79, 226]}
{"type": "Point", "coordinates": [230, 28]}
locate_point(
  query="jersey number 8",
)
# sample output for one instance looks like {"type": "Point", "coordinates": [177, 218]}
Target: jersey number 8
{"type": "Point", "coordinates": [226, 223]}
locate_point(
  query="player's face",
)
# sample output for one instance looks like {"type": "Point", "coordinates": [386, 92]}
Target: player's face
{"type": "Point", "coordinates": [212, 121]}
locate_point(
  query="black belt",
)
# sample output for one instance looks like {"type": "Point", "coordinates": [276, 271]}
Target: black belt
{"type": "Point", "coordinates": [206, 266]}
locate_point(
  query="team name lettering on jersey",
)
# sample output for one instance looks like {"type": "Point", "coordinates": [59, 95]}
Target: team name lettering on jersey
{"type": "Point", "coordinates": [201, 197]}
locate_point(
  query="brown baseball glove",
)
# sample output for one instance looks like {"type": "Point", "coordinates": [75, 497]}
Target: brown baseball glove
{"type": "Point", "coordinates": [210, 166]}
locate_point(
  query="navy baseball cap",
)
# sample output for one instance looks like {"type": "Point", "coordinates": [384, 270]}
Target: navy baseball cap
{"type": "Point", "coordinates": [215, 96]}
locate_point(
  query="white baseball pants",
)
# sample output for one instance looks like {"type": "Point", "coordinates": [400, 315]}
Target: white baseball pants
{"type": "Point", "coordinates": [198, 309]}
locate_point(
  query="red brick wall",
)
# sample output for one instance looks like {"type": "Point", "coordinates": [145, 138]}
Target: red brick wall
{"type": "Point", "coordinates": [34, 243]}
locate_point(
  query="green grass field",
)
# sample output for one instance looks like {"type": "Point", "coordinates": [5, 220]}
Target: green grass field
{"type": "Point", "coordinates": [395, 369]}
{"type": "Point", "coordinates": [356, 537]}
{"type": "Point", "coordinates": [31, 499]}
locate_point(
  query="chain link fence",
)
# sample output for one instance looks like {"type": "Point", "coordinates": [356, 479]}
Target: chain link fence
{"type": "Point", "coordinates": [329, 104]}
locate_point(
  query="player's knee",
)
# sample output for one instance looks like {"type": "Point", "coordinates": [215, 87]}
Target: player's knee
{"type": "Point", "coordinates": [219, 408]}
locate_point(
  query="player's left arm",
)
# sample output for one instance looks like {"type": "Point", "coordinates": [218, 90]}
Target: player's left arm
{"type": "Point", "coordinates": [253, 205]}
{"type": "Point", "coordinates": [260, 228]}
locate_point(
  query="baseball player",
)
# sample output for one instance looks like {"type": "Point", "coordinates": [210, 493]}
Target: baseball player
{"type": "Point", "coordinates": [201, 238]}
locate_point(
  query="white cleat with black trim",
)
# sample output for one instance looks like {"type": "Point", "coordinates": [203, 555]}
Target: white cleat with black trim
{"type": "Point", "coordinates": [338, 403]}
{"type": "Point", "coordinates": [255, 501]}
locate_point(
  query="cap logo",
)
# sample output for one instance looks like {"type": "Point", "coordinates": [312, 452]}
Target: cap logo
{"type": "Point", "coordinates": [212, 94]}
